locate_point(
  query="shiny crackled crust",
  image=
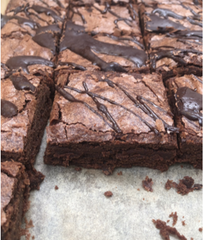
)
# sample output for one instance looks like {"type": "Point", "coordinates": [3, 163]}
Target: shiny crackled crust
{"type": "Point", "coordinates": [14, 198]}
{"type": "Point", "coordinates": [76, 125]}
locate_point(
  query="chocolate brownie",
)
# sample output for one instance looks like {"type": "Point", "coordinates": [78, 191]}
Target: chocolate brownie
{"type": "Point", "coordinates": [173, 36]}
{"type": "Point", "coordinates": [100, 52]}
{"type": "Point", "coordinates": [25, 108]}
{"type": "Point", "coordinates": [108, 120]}
{"type": "Point", "coordinates": [186, 100]}
{"type": "Point", "coordinates": [14, 198]}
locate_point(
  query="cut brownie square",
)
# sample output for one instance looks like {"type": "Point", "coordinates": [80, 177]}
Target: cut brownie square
{"type": "Point", "coordinates": [108, 120]}
{"type": "Point", "coordinates": [100, 52]}
{"type": "Point", "coordinates": [14, 199]}
{"type": "Point", "coordinates": [173, 37]}
{"type": "Point", "coordinates": [25, 107]}
{"type": "Point", "coordinates": [186, 100]}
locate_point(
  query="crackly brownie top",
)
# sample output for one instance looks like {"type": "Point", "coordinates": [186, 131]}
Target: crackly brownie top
{"type": "Point", "coordinates": [101, 107]}
{"type": "Point", "coordinates": [188, 93]}
{"type": "Point", "coordinates": [18, 100]}
{"type": "Point", "coordinates": [10, 173]}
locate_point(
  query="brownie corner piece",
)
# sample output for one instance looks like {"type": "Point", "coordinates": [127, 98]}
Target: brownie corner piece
{"type": "Point", "coordinates": [14, 198]}
{"type": "Point", "coordinates": [25, 107]}
{"type": "Point", "coordinates": [108, 120]}
{"type": "Point", "coordinates": [186, 94]}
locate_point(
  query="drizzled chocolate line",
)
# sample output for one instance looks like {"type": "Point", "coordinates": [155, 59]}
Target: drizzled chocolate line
{"type": "Point", "coordinates": [76, 66]}
{"type": "Point", "coordinates": [71, 98]}
{"type": "Point", "coordinates": [139, 103]}
{"type": "Point", "coordinates": [197, 78]}
{"type": "Point", "coordinates": [161, 25]}
{"type": "Point", "coordinates": [108, 9]}
{"type": "Point", "coordinates": [8, 109]}
{"type": "Point", "coordinates": [25, 61]}
{"type": "Point", "coordinates": [179, 50]}
{"type": "Point", "coordinates": [20, 82]}
{"type": "Point", "coordinates": [110, 83]}
{"type": "Point", "coordinates": [154, 57]}
{"type": "Point", "coordinates": [194, 22]}
{"type": "Point", "coordinates": [81, 43]}
{"type": "Point", "coordinates": [186, 33]}
{"type": "Point", "coordinates": [132, 12]}
{"type": "Point", "coordinates": [59, 3]}
{"type": "Point", "coordinates": [124, 39]}
{"type": "Point", "coordinates": [191, 10]}
{"type": "Point", "coordinates": [101, 107]}
{"type": "Point", "coordinates": [189, 104]}
{"type": "Point", "coordinates": [28, 22]}
{"type": "Point", "coordinates": [166, 13]}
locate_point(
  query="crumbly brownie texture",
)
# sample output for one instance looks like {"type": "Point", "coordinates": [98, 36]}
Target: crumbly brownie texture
{"type": "Point", "coordinates": [173, 36]}
{"type": "Point", "coordinates": [116, 120]}
{"type": "Point", "coordinates": [14, 198]}
{"type": "Point", "coordinates": [185, 94]}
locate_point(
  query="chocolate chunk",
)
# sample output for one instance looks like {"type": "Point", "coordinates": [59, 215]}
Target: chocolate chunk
{"type": "Point", "coordinates": [20, 82]}
{"type": "Point", "coordinates": [8, 109]}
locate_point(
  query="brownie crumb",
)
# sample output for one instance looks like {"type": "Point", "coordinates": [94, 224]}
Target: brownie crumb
{"type": "Point", "coordinates": [168, 221]}
{"type": "Point", "coordinates": [108, 194]}
{"type": "Point", "coordinates": [143, 199]}
{"type": "Point", "coordinates": [200, 229]}
{"type": "Point", "coordinates": [147, 184]}
{"type": "Point", "coordinates": [78, 169]}
{"type": "Point", "coordinates": [166, 231]}
{"type": "Point", "coordinates": [185, 185]}
{"type": "Point", "coordinates": [120, 173]}
{"type": "Point", "coordinates": [33, 237]}
{"type": "Point", "coordinates": [56, 187]}
{"type": "Point", "coordinates": [175, 218]}
{"type": "Point", "coordinates": [25, 231]}
{"type": "Point", "coordinates": [138, 189]}
{"type": "Point", "coordinates": [192, 239]}
{"type": "Point", "coordinates": [181, 166]}
{"type": "Point", "coordinates": [183, 223]}
{"type": "Point", "coordinates": [107, 171]}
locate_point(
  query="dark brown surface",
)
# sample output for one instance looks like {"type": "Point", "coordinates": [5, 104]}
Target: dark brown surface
{"type": "Point", "coordinates": [14, 196]}
{"type": "Point", "coordinates": [190, 136]}
{"type": "Point", "coordinates": [121, 135]}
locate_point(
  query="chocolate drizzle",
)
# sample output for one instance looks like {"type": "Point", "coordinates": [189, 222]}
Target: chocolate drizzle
{"type": "Point", "coordinates": [20, 82]}
{"type": "Point", "coordinates": [8, 109]}
{"type": "Point", "coordinates": [189, 104]}
{"type": "Point", "coordinates": [47, 11]}
{"type": "Point", "coordinates": [79, 42]}
{"type": "Point", "coordinates": [166, 13]}
{"type": "Point", "coordinates": [25, 61]}
{"type": "Point", "coordinates": [162, 25]}
{"type": "Point", "coordinates": [137, 100]}
{"type": "Point", "coordinates": [27, 22]}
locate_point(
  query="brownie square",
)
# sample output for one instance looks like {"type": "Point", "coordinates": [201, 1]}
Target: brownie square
{"type": "Point", "coordinates": [186, 99]}
{"type": "Point", "coordinates": [108, 120]}
{"type": "Point", "coordinates": [25, 107]}
{"type": "Point", "coordinates": [173, 37]}
{"type": "Point", "coordinates": [14, 199]}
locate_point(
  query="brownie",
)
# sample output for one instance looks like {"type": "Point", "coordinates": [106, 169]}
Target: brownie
{"type": "Point", "coordinates": [108, 120]}
{"type": "Point", "coordinates": [173, 36]}
{"type": "Point", "coordinates": [14, 199]}
{"type": "Point", "coordinates": [25, 108]}
{"type": "Point", "coordinates": [100, 52]}
{"type": "Point", "coordinates": [185, 95]}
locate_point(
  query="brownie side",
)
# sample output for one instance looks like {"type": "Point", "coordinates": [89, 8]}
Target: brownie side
{"type": "Point", "coordinates": [99, 120]}
{"type": "Point", "coordinates": [185, 94]}
{"type": "Point", "coordinates": [21, 132]}
{"type": "Point", "coordinates": [14, 198]}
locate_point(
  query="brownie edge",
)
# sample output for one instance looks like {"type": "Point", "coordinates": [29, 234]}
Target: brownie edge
{"type": "Point", "coordinates": [14, 198]}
